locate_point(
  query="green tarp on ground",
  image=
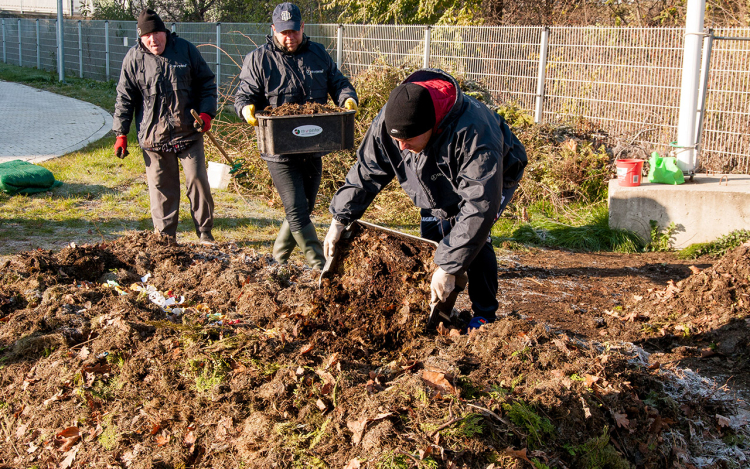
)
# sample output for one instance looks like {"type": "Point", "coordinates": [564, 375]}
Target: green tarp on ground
{"type": "Point", "coordinates": [21, 177]}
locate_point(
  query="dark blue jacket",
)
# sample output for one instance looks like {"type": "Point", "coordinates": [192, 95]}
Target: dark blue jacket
{"type": "Point", "coordinates": [160, 90]}
{"type": "Point", "coordinates": [271, 76]}
{"type": "Point", "coordinates": [460, 174]}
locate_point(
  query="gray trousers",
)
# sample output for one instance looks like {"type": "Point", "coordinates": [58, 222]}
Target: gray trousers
{"type": "Point", "coordinates": [163, 175]}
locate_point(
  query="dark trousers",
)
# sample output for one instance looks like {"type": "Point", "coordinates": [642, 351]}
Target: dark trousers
{"type": "Point", "coordinates": [482, 271]}
{"type": "Point", "coordinates": [297, 181]}
{"type": "Point", "coordinates": [163, 176]}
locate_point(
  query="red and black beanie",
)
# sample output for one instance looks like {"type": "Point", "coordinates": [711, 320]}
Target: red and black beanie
{"type": "Point", "coordinates": [409, 111]}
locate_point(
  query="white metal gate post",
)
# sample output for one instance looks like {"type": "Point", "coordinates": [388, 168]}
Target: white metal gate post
{"type": "Point", "coordinates": [339, 45]}
{"type": "Point", "coordinates": [541, 75]}
{"type": "Point", "coordinates": [5, 55]}
{"type": "Point", "coordinates": [80, 50]}
{"type": "Point", "coordinates": [708, 43]}
{"type": "Point", "coordinates": [685, 149]}
{"type": "Point", "coordinates": [60, 42]}
{"type": "Point", "coordinates": [218, 62]}
{"type": "Point", "coordinates": [106, 50]}
{"type": "Point", "coordinates": [426, 59]}
{"type": "Point", "coordinates": [38, 48]}
{"type": "Point", "coordinates": [20, 41]}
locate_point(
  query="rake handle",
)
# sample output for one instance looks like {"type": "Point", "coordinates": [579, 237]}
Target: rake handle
{"type": "Point", "coordinates": [211, 137]}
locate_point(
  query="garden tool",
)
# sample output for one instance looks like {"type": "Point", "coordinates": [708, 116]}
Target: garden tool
{"type": "Point", "coordinates": [211, 137]}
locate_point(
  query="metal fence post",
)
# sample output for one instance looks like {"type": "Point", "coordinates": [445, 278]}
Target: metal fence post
{"type": "Point", "coordinates": [20, 41]}
{"type": "Point", "coordinates": [80, 51]}
{"type": "Point", "coordinates": [106, 50]}
{"type": "Point", "coordinates": [218, 61]}
{"type": "Point", "coordinates": [174, 27]}
{"type": "Point", "coordinates": [708, 42]}
{"type": "Point", "coordinates": [38, 48]}
{"type": "Point", "coordinates": [60, 42]}
{"type": "Point", "coordinates": [426, 59]}
{"type": "Point", "coordinates": [541, 75]}
{"type": "Point", "coordinates": [5, 55]}
{"type": "Point", "coordinates": [339, 45]}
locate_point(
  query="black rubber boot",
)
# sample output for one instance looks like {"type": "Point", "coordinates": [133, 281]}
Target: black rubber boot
{"type": "Point", "coordinates": [307, 240]}
{"type": "Point", "coordinates": [284, 244]}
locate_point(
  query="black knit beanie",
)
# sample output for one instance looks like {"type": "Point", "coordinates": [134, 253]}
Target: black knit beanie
{"type": "Point", "coordinates": [149, 22]}
{"type": "Point", "coordinates": [409, 112]}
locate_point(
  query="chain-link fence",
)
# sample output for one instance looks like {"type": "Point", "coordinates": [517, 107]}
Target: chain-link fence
{"type": "Point", "coordinates": [624, 80]}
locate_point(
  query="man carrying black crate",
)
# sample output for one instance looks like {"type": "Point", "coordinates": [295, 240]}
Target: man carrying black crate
{"type": "Point", "coordinates": [458, 161]}
{"type": "Point", "coordinates": [290, 68]}
{"type": "Point", "coordinates": [163, 78]}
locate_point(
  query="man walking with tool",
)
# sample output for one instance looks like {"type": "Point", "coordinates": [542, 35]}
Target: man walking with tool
{"type": "Point", "coordinates": [290, 68]}
{"type": "Point", "coordinates": [458, 161]}
{"type": "Point", "coordinates": [163, 78]}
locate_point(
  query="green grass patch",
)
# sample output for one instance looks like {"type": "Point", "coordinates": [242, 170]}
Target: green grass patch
{"type": "Point", "coordinates": [582, 228]}
{"type": "Point", "coordinates": [716, 248]}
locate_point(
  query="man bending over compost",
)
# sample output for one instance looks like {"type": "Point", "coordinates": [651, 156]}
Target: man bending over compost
{"type": "Point", "coordinates": [163, 77]}
{"type": "Point", "coordinates": [290, 68]}
{"type": "Point", "coordinates": [458, 161]}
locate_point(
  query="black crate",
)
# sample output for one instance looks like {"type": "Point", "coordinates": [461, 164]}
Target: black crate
{"type": "Point", "coordinates": [282, 135]}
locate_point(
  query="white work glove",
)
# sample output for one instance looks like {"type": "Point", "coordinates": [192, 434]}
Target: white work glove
{"type": "Point", "coordinates": [333, 236]}
{"type": "Point", "coordinates": [441, 286]}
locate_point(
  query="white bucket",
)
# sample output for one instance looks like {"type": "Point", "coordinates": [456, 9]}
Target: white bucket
{"type": "Point", "coordinates": [218, 175]}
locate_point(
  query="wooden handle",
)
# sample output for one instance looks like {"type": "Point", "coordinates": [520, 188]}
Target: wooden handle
{"type": "Point", "coordinates": [211, 137]}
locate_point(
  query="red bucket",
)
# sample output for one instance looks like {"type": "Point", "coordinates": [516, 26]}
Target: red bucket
{"type": "Point", "coordinates": [629, 172]}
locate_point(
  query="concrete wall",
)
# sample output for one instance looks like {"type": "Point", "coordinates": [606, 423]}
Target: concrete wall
{"type": "Point", "coordinates": [703, 209]}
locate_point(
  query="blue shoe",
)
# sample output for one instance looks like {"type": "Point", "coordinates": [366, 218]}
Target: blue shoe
{"type": "Point", "coordinates": [476, 322]}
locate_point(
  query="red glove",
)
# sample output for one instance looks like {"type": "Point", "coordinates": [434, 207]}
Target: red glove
{"type": "Point", "coordinates": [206, 123]}
{"type": "Point", "coordinates": [121, 146]}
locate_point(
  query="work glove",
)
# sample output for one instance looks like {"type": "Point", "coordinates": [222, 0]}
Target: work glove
{"type": "Point", "coordinates": [442, 286]}
{"type": "Point", "coordinates": [333, 236]}
{"type": "Point", "coordinates": [351, 105]}
{"type": "Point", "coordinates": [206, 123]}
{"type": "Point", "coordinates": [121, 146]}
{"type": "Point", "coordinates": [248, 113]}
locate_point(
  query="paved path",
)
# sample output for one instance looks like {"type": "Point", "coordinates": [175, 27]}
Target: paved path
{"type": "Point", "coordinates": [38, 125]}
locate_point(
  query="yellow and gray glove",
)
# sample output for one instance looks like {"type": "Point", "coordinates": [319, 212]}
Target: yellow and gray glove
{"type": "Point", "coordinates": [351, 105]}
{"type": "Point", "coordinates": [248, 113]}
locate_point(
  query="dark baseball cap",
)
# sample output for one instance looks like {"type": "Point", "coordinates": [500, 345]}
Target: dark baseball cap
{"type": "Point", "coordinates": [286, 16]}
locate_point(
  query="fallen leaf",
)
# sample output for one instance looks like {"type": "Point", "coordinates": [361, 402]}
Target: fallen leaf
{"type": "Point", "coordinates": [321, 405]}
{"type": "Point", "coordinates": [357, 427]}
{"type": "Point", "coordinates": [694, 269]}
{"type": "Point", "coordinates": [21, 431]}
{"type": "Point", "coordinates": [306, 349]}
{"type": "Point", "coordinates": [723, 421]}
{"type": "Point", "coordinates": [437, 380]}
{"type": "Point", "coordinates": [622, 420]}
{"type": "Point", "coordinates": [67, 438]}
{"type": "Point", "coordinates": [162, 440]}
{"type": "Point", "coordinates": [520, 454]}
{"type": "Point", "coordinates": [353, 464]}
{"type": "Point", "coordinates": [589, 380]}
{"type": "Point", "coordinates": [70, 456]}
{"type": "Point", "coordinates": [332, 361]}
{"type": "Point", "coordinates": [586, 410]}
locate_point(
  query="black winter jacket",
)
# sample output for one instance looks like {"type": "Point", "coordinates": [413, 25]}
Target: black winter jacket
{"type": "Point", "coordinates": [459, 174]}
{"type": "Point", "coordinates": [271, 76]}
{"type": "Point", "coordinates": [161, 90]}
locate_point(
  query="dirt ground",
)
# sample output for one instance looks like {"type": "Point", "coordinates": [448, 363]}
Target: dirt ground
{"type": "Point", "coordinates": [140, 353]}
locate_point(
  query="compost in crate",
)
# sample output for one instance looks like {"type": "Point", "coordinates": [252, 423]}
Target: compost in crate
{"type": "Point", "coordinates": [308, 128]}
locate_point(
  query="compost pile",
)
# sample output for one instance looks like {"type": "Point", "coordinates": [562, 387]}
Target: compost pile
{"type": "Point", "coordinates": [138, 353]}
{"type": "Point", "coordinates": [294, 109]}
